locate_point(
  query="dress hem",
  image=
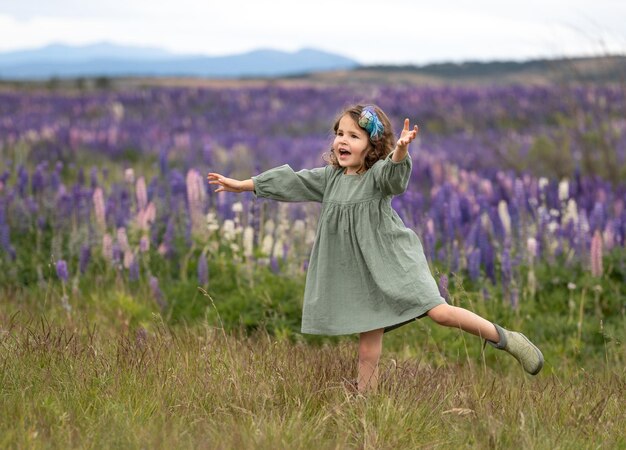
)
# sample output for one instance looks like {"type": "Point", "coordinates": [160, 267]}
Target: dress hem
{"type": "Point", "coordinates": [406, 318]}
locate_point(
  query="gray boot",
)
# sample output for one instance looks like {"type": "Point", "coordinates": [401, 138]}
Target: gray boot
{"type": "Point", "coordinates": [521, 348]}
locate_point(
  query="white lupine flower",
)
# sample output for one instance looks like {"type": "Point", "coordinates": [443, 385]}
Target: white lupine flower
{"type": "Point", "coordinates": [267, 244]}
{"type": "Point", "coordinates": [571, 212]}
{"type": "Point", "coordinates": [279, 249]}
{"type": "Point", "coordinates": [228, 230]}
{"type": "Point", "coordinates": [563, 190]}
{"type": "Point", "coordinates": [309, 238]}
{"type": "Point", "coordinates": [552, 227]}
{"type": "Point", "coordinates": [248, 241]}
{"type": "Point", "coordinates": [129, 175]}
{"type": "Point", "coordinates": [505, 217]}
{"type": "Point", "coordinates": [269, 226]}
{"type": "Point", "coordinates": [117, 110]}
{"type": "Point", "coordinates": [237, 207]}
{"type": "Point", "coordinates": [211, 221]}
{"type": "Point", "coordinates": [543, 182]}
{"type": "Point", "coordinates": [531, 246]}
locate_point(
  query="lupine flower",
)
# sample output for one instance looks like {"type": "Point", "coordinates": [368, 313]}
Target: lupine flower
{"type": "Point", "coordinates": [443, 287]}
{"type": "Point", "coordinates": [83, 259]}
{"type": "Point", "coordinates": [195, 197]}
{"type": "Point", "coordinates": [133, 269]}
{"type": "Point", "coordinates": [248, 241]}
{"type": "Point", "coordinates": [129, 175]}
{"type": "Point", "coordinates": [99, 209]}
{"type": "Point", "coordinates": [505, 218]}
{"type": "Point", "coordinates": [596, 254]}
{"type": "Point", "coordinates": [157, 294]}
{"type": "Point", "coordinates": [122, 239]}
{"type": "Point", "coordinates": [107, 246]}
{"type": "Point", "coordinates": [563, 190]}
{"type": "Point", "coordinates": [141, 193]}
{"type": "Point", "coordinates": [274, 264]}
{"type": "Point", "coordinates": [473, 264]}
{"type": "Point", "coordinates": [144, 244]}
{"type": "Point", "coordinates": [228, 230]}
{"type": "Point", "coordinates": [61, 268]}
{"type": "Point", "coordinates": [203, 270]}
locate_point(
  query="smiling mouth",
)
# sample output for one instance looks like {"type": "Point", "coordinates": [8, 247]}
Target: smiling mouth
{"type": "Point", "coordinates": [344, 152]}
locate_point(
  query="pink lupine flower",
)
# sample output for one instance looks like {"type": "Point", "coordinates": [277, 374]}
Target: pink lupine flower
{"type": "Point", "coordinates": [141, 193]}
{"type": "Point", "coordinates": [107, 246]}
{"type": "Point", "coordinates": [196, 196]}
{"type": "Point", "coordinates": [122, 239]}
{"type": "Point", "coordinates": [99, 208]}
{"type": "Point", "coordinates": [596, 254]}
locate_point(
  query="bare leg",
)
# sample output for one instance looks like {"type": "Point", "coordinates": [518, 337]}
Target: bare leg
{"type": "Point", "coordinates": [453, 316]}
{"type": "Point", "coordinates": [370, 348]}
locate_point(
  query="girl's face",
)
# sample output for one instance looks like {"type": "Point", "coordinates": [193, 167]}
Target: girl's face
{"type": "Point", "coordinates": [350, 145]}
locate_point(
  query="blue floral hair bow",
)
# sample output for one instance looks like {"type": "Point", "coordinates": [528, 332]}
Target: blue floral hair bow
{"type": "Point", "coordinates": [371, 123]}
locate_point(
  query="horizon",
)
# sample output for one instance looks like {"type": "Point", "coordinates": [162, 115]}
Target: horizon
{"type": "Point", "coordinates": [105, 43]}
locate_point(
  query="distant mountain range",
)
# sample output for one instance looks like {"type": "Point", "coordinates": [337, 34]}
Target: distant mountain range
{"type": "Point", "coordinates": [111, 60]}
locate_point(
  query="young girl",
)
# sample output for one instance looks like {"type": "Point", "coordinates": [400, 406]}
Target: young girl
{"type": "Point", "coordinates": [367, 272]}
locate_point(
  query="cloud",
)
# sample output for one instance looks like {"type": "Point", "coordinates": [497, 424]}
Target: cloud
{"type": "Point", "coordinates": [400, 31]}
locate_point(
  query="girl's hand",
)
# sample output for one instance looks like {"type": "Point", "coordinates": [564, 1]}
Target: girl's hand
{"type": "Point", "coordinates": [225, 184]}
{"type": "Point", "coordinates": [406, 136]}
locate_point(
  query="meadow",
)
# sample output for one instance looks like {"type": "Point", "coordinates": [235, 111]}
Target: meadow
{"type": "Point", "coordinates": [141, 309]}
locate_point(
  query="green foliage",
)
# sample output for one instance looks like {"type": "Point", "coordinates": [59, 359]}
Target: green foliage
{"type": "Point", "coordinates": [550, 158]}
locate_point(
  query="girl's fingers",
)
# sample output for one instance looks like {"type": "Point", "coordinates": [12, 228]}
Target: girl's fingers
{"type": "Point", "coordinates": [406, 124]}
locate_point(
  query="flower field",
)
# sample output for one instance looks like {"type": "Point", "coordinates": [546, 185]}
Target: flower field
{"type": "Point", "coordinates": [517, 194]}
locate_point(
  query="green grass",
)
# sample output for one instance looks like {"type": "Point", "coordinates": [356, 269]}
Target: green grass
{"type": "Point", "coordinates": [96, 379]}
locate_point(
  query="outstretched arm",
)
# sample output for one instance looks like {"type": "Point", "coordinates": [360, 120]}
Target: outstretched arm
{"type": "Point", "coordinates": [230, 184]}
{"type": "Point", "coordinates": [406, 137]}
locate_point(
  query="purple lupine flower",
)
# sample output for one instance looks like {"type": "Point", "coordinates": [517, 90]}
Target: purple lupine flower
{"type": "Point", "coordinates": [5, 235]}
{"type": "Point", "coordinates": [61, 267]}
{"type": "Point", "coordinates": [514, 297]}
{"type": "Point", "coordinates": [597, 217]}
{"type": "Point", "coordinates": [274, 264]}
{"type": "Point", "coordinates": [443, 287]}
{"type": "Point", "coordinates": [133, 269]}
{"type": "Point", "coordinates": [157, 293]}
{"type": "Point", "coordinates": [505, 269]}
{"type": "Point", "coordinates": [22, 181]}
{"type": "Point", "coordinates": [93, 177]}
{"type": "Point", "coordinates": [473, 264]}
{"type": "Point", "coordinates": [37, 182]}
{"type": "Point", "coordinates": [203, 270]}
{"type": "Point", "coordinates": [84, 257]}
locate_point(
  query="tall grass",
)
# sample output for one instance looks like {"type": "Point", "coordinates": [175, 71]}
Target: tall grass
{"type": "Point", "coordinates": [79, 385]}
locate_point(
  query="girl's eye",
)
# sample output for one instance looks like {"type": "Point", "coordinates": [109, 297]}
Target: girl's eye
{"type": "Point", "coordinates": [354, 136]}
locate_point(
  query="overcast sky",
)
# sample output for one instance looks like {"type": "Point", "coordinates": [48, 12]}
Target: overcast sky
{"type": "Point", "coordinates": [370, 31]}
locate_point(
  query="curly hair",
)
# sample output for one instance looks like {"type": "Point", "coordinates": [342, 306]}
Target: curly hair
{"type": "Point", "coordinates": [377, 149]}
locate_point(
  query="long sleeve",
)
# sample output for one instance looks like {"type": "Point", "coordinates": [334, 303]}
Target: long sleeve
{"type": "Point", "coordinates": [391, 177]}
{"type": "Point", "coordinates": [283, 184]}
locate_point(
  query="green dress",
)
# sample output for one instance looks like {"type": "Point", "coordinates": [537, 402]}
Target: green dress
{"type": "Point", "coordinates": [367, 270]}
